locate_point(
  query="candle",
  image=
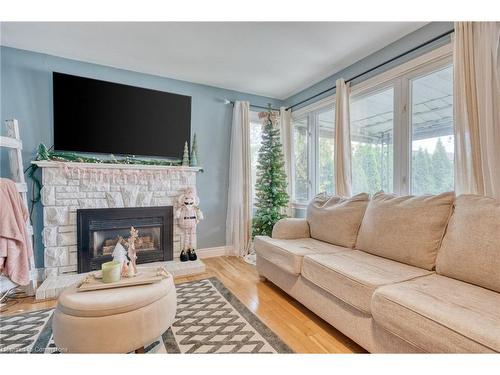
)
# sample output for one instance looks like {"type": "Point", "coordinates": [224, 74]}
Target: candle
{"type": "Point", "coordinates": [111, 271]}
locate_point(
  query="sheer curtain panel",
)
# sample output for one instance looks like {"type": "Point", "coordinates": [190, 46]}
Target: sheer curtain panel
{"type": "Point", "coordinates": [477, 108]}
{"type": "Point", "coordinates": [239, 209]}
{"type": "Point", "coordinates": [342, 150]}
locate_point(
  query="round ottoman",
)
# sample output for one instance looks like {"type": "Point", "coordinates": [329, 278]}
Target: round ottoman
{"type": "Point", "coordinates": [119, 320]}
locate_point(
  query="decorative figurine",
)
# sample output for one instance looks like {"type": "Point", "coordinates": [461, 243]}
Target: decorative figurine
{"type": "Point", "coordinates": [189, 216]}
{"type": "Point", "coordinates": [185, 157]}
{"type": "Point", "coordinates": [120, 255]}
{"type": "Point", "coordinates": [184, 257]}
{"type": "Point", "coordinates": [194, 152]}
{"type": "Point", "coordinates": [131, 253]}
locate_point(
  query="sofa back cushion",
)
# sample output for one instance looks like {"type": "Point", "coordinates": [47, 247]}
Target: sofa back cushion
{"type": "Point", "coordinates": [407, 229]}
{"type": "Point", "coordinates": [471, 246]}
{"type": "Point", "coordinates": [335, 219]}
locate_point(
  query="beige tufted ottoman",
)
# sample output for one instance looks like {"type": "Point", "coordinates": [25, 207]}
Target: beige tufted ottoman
{"type": "Point", "coordinates": [117, 320]}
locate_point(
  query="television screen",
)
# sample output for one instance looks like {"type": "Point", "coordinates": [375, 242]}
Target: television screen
{"type": "Point", "coordinates": [104, 117]}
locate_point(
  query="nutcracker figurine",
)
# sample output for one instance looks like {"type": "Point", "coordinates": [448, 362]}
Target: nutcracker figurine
{"type": "Point", "coordinates": [189, 215]}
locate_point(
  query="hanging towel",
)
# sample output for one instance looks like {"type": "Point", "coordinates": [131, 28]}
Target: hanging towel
{"type": "Point", "coordinates": [15, 245]}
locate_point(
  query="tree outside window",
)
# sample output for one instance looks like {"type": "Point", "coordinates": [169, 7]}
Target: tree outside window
{"type": "Point", "coordinates": [326, 144]}
{"type": "Point", "coordinates": [300, 157]}
{"type": "Point", "coordinates": [432, 133]}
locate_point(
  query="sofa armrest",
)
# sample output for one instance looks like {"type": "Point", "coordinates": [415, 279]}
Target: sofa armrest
{"type": "Point", "coordinates": [291, 228]}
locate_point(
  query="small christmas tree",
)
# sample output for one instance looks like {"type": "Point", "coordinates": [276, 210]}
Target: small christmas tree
{"type": "Point", "coordinates": [185, 157]}
{"type": "Point", "coordinates": [194, 152]}
{"type": "Point", "coordinates": [271, 195]}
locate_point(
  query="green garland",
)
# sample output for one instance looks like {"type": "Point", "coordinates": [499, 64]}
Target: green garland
{"type": "Point", "coordinates": [45, 154]}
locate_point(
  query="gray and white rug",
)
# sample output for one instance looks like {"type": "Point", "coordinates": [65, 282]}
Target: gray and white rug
{"type": "Point", "coordinates": [210, 319]}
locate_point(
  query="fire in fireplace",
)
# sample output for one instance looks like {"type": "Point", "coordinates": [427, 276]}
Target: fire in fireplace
{"type": "Point", "coordinates": [99, 230]}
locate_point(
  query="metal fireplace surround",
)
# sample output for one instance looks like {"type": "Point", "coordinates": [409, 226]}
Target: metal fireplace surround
{"type": "Point", "coordinates": [90, 220]}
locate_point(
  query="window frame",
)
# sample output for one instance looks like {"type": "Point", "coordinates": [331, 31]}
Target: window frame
{"type": "Point", "coordinates": [400, 78]}
{"type": "Point", "coordinates": [310, 113]}
{"type": "Point", "coordinates": [407, 84]}
{"type": "Point", "coordinates": [373, 90]}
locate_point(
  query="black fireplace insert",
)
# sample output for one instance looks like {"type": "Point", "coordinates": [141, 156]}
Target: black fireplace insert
{"type": "Point", "coordinates": [99, 230]}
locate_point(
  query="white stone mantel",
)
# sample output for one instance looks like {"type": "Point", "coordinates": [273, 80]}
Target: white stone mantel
{"type": "Point", "coordinates": [68, 186]}
{"type": "Point", "coordinates": [59, 164]}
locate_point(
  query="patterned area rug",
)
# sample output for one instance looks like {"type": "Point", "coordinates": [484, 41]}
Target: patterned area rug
{"type": "Point", "coordinates": [210, 319]}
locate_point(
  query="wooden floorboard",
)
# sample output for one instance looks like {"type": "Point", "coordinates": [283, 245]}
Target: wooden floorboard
{"type": "Point", "coordinates": [301, 329]}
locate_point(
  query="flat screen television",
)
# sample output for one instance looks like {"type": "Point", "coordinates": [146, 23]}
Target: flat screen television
{"type": "Point", "coordinates": [109, 118]}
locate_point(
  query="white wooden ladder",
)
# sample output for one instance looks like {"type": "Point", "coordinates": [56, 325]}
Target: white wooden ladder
{"type": "Point", "coordinates": [12, 142]}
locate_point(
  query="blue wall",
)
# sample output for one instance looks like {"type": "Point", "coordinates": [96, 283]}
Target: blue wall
{"type": "Point", "coordinates": [392, 50]}
{"type": "Point", "coordinates": [26, 94]}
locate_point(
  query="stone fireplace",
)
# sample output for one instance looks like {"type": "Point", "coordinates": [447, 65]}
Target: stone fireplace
{"type": "Point", "coordinates": [100, 229]}
{"type": "Point", "coordinates": [70, 188]}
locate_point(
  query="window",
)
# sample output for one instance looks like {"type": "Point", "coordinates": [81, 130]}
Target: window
{"type": "Point", "coordinates": [401, 128]}
{"type": "Point", "coordinates": [432, 140]}
{"type": "Point", "coordinates": [372, 141]}
{"type": "Point", "coordinates": [313, 152]}
{"type": "Point", "coordinates": [255, 143]}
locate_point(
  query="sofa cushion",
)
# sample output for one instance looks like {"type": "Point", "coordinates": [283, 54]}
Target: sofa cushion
{"type": "Point", "coordinates": [288, 254]}
{"type": "Point", "coordinates": [336, 220]}
{"type": "Point", "coordinates": [406, 229]}
{"type": "Point", "coordinates": [440, 314]}
{"type": "Point", "coordinates": [471, 246]}
{"type": "Point", "coordinates": [291, 228]}
{"type": "Point", "coordinates": [352, 276]}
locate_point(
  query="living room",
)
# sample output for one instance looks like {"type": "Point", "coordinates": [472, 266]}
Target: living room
{"type": "Point", "coordinates": [249, 185]}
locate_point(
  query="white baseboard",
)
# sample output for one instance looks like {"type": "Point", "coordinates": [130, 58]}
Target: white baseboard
{"type": "Point", "coordinates": [210, 252]}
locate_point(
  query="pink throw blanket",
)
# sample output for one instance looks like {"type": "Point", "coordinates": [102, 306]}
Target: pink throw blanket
{"type": "Point", "coordinates": [15, 244]}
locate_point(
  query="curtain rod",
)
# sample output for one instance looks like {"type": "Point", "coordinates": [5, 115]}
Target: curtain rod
{"type": "Point", "coordinates": [253, 105]}
{"type": "Point", "coordinates": [374, 68]}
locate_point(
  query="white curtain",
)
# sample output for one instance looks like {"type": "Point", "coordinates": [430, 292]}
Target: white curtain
{"type": "Point", "coordinates": [239, 208]}
{"type": "Point", "coordinates": [477, 108]}
{"type": "Point", "coordinates": [342, 149]}
{"type": "Point", "coordinates": [286, 140]}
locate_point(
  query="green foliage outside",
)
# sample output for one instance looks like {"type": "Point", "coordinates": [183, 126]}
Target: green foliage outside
{"type": "Point", "coordinates": [326, 164]}
{"type": "Point", "coordinates": [271, 195]}
{"type": "Point", "coordinates": [373, 168]}
{"type": "Point", "coordinates": [300, 160]}
{"type": "Point", "coordinates": [432, 173]}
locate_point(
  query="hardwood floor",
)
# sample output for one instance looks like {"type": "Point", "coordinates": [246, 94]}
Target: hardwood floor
{"type": "Point", "coordinates": [301, 329]}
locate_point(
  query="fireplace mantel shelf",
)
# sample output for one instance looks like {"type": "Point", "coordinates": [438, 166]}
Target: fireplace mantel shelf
{"type": "Point", "coordinates": [57, 164]}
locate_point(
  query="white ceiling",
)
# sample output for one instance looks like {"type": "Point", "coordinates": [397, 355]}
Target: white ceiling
{"type": "Point", "coordinates": [275, 59]}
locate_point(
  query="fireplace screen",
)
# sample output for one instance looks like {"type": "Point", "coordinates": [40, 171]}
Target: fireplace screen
{"type": "Point", "coordinates": [100, 230]}
{"type": "Point", "coordinates": [104, 241]}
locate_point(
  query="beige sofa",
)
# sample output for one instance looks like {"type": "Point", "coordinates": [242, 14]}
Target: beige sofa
{"type": "Point", "coordinates": [395, 274]}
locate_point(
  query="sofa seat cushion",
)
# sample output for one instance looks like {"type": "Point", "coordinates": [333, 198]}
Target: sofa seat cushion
{"type": "Point", "coordinates": [440, 314]}
{"type": "Point", "coordinates": [353, 276]}
{"type": "Point", "coordinates": [407, 229]}
{"type": "Point", "coordinates": [288, 254]}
